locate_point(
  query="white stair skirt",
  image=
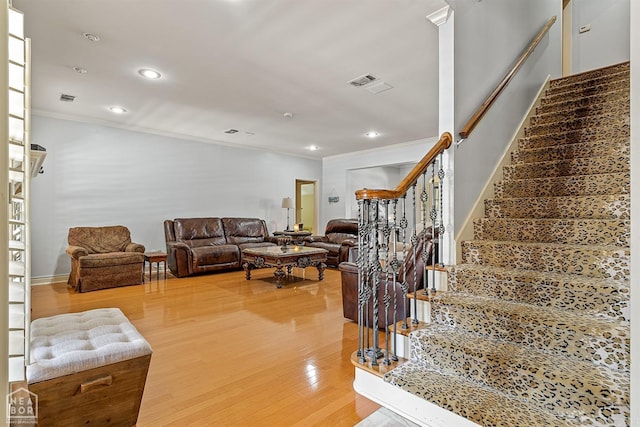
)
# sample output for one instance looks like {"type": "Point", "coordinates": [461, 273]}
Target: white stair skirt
{"type": "Point", "coordinates": [404, 403]}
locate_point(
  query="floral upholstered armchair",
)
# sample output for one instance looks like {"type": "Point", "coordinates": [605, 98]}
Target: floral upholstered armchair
{"type": "Point", "coordinates": [103, 257]}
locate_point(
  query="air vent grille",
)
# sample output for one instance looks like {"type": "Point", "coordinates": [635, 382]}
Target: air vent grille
{"type": "Point", "coordinates": [362, 80]}
{"type": "Point", "coordinates": [67, 98]}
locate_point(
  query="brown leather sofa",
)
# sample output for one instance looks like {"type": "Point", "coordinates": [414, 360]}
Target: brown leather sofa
{"type": "Point", "coordinates": [205, 245]}
{"type": "Point", "coordinates": [103, 257]}
{"type": "Point", "coordinates": [339, 236]}
{"type": "Point", "coordinates": [349, 276]}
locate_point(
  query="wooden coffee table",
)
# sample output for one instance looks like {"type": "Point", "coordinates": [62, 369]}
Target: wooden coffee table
{"type": "Point", "coordinates": [276, 256]}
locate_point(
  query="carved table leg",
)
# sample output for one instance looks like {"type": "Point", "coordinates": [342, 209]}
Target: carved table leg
{"type": "Point", "coordinates": [321, 266]}
{"type": "Point", "coordinates": [247, 268]}
{"type": "Point", "coordinates": [279, 275]}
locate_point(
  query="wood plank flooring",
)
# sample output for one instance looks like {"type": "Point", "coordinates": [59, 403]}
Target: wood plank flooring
{"type": "Point", "coordinates": [232, 352]}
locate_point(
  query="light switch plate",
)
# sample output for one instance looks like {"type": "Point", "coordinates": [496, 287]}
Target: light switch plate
{"type": "Point", "coordinates": [585, 28]}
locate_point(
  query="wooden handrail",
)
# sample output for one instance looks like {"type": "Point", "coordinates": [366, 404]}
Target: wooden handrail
{"type": "Point", "coordinates": [482, 110]}
{"type": "Point", "coordinates": [401, 189]}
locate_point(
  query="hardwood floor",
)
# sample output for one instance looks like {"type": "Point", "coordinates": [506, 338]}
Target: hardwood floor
{"type": "Point", "coordinates": [232, 352]}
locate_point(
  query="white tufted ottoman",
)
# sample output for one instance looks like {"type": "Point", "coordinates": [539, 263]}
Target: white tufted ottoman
{"type": "Point", "coordinates": [87, 368]}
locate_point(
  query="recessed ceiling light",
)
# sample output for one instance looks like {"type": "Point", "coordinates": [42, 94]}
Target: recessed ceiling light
{"type": "Point", "coordinates": [313, 147]}
{"type": "Point", "coordinates": [149, 74]}
{"type": "Point", "coordinates": [372, 134]}
{"type": "Point", "coordinates": [79, 70]}
{"type": "Point", "coordinates": [91, 37]}
{"type": "Point", "coordinates": [117, 110]}
{"type": "Point", "coordinates": [288, 115]}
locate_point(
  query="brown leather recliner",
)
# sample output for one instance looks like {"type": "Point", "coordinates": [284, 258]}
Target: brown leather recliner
{"type": "Point", "coordinates": [339, 236]}
{"type": "Point", "coordinates": [103, 257]}
{"type": "Point", "coordinates": [204, 245]}
{"type": "Point", "coordinates": [349, 276]}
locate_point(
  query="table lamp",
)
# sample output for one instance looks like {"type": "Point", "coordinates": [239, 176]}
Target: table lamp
{"type": "Point", "coordinates": [287, 203]}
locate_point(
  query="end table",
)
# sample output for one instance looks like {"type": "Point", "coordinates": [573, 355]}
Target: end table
{"type": "Point", "coordinates": [157, 257]}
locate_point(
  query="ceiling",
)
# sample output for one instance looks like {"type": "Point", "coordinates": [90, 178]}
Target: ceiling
{"type": "Point", "coordinates": [241, 64]}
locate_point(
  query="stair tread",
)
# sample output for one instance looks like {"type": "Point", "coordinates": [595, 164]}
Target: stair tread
{"type": "Point", "coordinates": [552, 106]}
{"type": "Point", "coordinates": [487, 406]}
{"type": "Point", "coordinates": [560, 207]}
{"type": "Point", "coordinates": [618, 141]}
{"type": "Point", "coordinates": [573, 162]}
{"type": "Point", "coordinates": [572, 146]}
{"type": "Point", "coordinates": [581, 294]}
{"type": "Point", "coordinates": [562, 246]}
{"type": "Point", "coordinates": [507, 361]}
{"type": "Point", "coordinates": [551, 317]}
{"type": "Point", "coordinates": [577, 231]}
{"type": "Point", "coordinates": [600, 108]}
{"type": "Point", "coordinates": [552, 278]}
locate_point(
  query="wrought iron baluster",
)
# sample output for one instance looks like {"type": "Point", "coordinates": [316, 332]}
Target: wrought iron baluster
{"type": "Point", "coordinates": [405, 287]}
{"type": "Point", "coordinates": [414, 249]}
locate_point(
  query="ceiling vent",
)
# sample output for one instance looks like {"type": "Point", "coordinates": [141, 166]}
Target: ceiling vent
{"type": "Point", "coordinates": [362, 80]}
{"type": "Point", "coordinates": [67, 98]}
{"type": "Point", "coordinates": [231, 131]}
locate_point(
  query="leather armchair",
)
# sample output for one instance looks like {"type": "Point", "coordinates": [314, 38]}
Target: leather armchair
{"type": "Point", "coordinates": [103, 257]}
{"type": "Point", "coordinates": [339, 236]}
{"type": "Point", "coordinates": [349, 276]}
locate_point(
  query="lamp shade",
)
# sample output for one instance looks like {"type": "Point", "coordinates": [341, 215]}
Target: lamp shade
{"type": "Point", "coordinates": [287, 203]}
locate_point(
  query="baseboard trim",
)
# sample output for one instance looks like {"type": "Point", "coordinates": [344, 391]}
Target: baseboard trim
{"type": "Point", "coordinates": [49, 280]}
{"type": "Point", "coordinates": [404, 403]}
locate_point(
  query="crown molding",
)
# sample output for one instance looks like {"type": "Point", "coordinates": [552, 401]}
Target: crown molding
{"type": "Point", "coordinates": [440, 16]}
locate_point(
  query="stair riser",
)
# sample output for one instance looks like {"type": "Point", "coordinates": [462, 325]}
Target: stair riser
{"type": "Point", "coordinates": [613, 73]}
{"type": "Point", "coordinates": [580, 166]}
{"type": "Point", "coordinates": [586, 261]}
{"type": "Point", "coordinates": [573, 232]}
{"type": "Point", "coordinates": [585, 185]}
{"type": "Point", "coordinates": [598, 123]}
{"type": "Point", "coordinates": [602, 109]}
{"type": "Point", "coordinates": [586, 89]}
{"type": "Point", "coordinates": [613, 304]}
{"type": "Point", "coordinates": [610, 351]}
{"type": "Point", "coordinates": [620, 96]}
{"type": "Point", "coordinates": [594, 137]}
{"type": "Point", "coordinates": [525, 375]}
{"type": "Point", "coordinates": [565, 152]}
{"type": "Point", "coordinates": [593, 207]}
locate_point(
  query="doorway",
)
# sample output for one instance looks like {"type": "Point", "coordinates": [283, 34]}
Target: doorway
{"type": "Point", "coordinates": [566, 37]}
{"type": "Point", "coordinates": [306, 205]}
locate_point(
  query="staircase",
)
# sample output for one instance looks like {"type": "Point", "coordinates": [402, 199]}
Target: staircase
{"type": "Point", "coordinates": [534, 330]}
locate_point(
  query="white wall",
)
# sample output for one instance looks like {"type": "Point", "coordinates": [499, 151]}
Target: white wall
{"type": "Point", "coordinates": [489, 36]}
{"type": "Point", "coordinates": [97, 175]}
{"type": "Point", "coordinates": [608, 40]}
{"type": "Point", "coordinates": [335, 171]}
{"type": "Point", "coordinates": [385, 177]}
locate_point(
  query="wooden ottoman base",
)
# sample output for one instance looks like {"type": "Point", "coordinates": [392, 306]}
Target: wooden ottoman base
{"type": "Point", "coordinates": [87, 368]}
{"type": "Point", "coordinates": [108, 395]}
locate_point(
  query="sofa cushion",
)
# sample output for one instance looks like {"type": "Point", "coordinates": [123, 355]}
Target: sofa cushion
{"type": "Point", "coordinates": [111, 259]}
{"type": "Point", "coordinates": [197, 232]}
{"type": "Point", "coordinates": [99, 240]}
{"type": "Point", "coordinates": [243, 230]}
{"type": "Point", "coordinates": [218, 254]}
